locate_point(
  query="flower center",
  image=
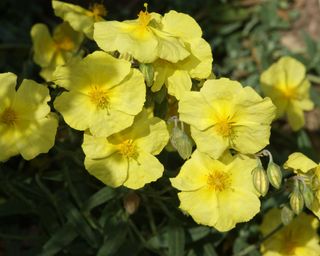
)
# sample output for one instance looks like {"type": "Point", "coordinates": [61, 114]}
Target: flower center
{"type": "Point", "coordinates": [99, 97]}
{"type": "Point", "coordinates": [65, 44]}
{"type": "Point", "coordinates": [128, 149]}
{"type": "Point", "coordinates": [289, 93]}
{"type": "Point", "coordinates": [218, 180]}
{"type": "Point", "coordinates": [144, 17]}
{"type": "Point", "coordinates": [224, 127]}
{"type": "Point", "coordinates": [98, 10]}
{"type": "Point", "coordinates": [9, 117]}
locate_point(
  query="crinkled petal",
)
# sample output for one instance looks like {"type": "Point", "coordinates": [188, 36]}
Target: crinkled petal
{"type": "Point", "coordinates": [8, 146]}
{"type": "Point", "coordinates": [295, 116]}
{"type": "Point", "coordinates": [295, 71]}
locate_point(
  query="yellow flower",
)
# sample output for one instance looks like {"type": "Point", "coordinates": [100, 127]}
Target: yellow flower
{"type": "Point", "coordinates": [127, 158]}
{"type": "Point", "coordinates": [299, 238]}
{"type": "Point", "coordinates": [104, 94]}
{"type": "Point", "coordinates": [225, 115]}
{"type": "Point", "coordinates": [217, 194]}
{"type": "Point", "coordinates": [52, 51]}
{"type": "Point", "coordinates": [285, 82]}
{"type": "Point", "coordinates": [142, 38]}
{"type": "Point", "coordinates": [309, 173]}
{"type": "Point", "coordinates": [26, 125]}
{"type": "Point", "coordinates": [80, 19]}
{"type": "Point", "coordinates": [198, 65]}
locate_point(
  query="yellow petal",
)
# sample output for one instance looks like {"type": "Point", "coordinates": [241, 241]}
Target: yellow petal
{"type": "Point", "coordinates": [151, 139]}
{"type": "Point", "coordinates": [7, 89]}
{"type": "Point", "coordinates": [199, 63]}
{"type": "Point", "coordinates": [294, 69]}
{"type": "Point", "coordinates": [8, 146]}
{"type": "Point", "coordinates": [236, 206]}
{"type": "Point", "coordinates": [181, 25]}
{"type": "Point", "coordinates": [31, 100]}
{"type": "Point", "coordinates": [200, 114]}
{"type": "Point", "coordinates": [193, 173]}
{"type": "Point", "coordinates": [96, 69]}
{"type": "Point", "coordinates": [76, 109]}
{"type": "Point", "coordinates": [201, 205]}
{"type": "Point", "coordinates": [43, 45]}
{"type": "Point", "coordinates": [162, 70]}
{"type": "Point", "coordinates": [79, 18]}
{"type": "Point", "coordinates": [112, 171]}
{"type": "Point", "coordinates": [169, 47]}
{"type": "Point", "coordinates": [208, 141]}
{"type": "Point", "coordinates": [295, 116]}
{"type": "Point", "coordinates": [145, 169]}
{"type": "Point", "coordinates": [36, 136]}
{"type": "Point", "coordinates": [299, 162]}
{"type": "Point", "coordinates": [105, 122]}
{"type": "Point", "coordinates": [126, 38]}
{"type": "Point", "coordinates": [129, 96]}
{"type": "Point", "coordinates": [97, 147]}
{"type": "Point", "coordinates": [179, 83]}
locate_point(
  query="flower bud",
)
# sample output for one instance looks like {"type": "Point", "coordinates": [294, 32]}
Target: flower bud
{"type": "Point", "coordinates": [131, 203]}
{"type": "Point", "coordinates": [286, 215]}
{"type": "Point", "coordinates": [148, 72]}
{"type": "Point", "coordinates": [307, 196]}
{"type": "Point", "coordinates": [274, 175]}
{"type": "Point", "coordinates": [181, 142]}
{"type": "Point", "coordinates": [296, 201]}
{"type": "Point", "coordinates": [260, 180]}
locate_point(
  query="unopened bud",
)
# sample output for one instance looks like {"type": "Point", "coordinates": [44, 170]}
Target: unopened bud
{"type": "Point", "coordinates": [286, 215]}
{"type": "Point", "coordinates": [181, 142]}
{"type": "Point", "coordinates": [296, 201]}
{"type": "Point", "coordinates": [131, 203]}
{"type": "Point", "coordinates": [274, 175]}
{"type": "Point", "coordinates": [307, 196]}
{"type": "Point", "coordinates": [260, 180]}
{"type": "Point", "coordinates": [148, 72]}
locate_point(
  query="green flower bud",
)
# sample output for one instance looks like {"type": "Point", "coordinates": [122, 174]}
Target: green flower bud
{"type": "Point", "coordinates": [148, 72]}
{"type": "Point", "coordinates": [286, 215]}
{"type": "Point", "coordinates": [296, 201]}
{"type": "Point", "coordinates": [308, 196]}
{"type": "Point", "coordinates": [181, 142]}
{"type": "Point", "coordinates": [260, 180]}
{"type": "Point", "coordinates": [274, 175]}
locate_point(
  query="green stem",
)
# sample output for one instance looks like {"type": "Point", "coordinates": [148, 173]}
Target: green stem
{"type": "Point", "coordinates": [314, 79]}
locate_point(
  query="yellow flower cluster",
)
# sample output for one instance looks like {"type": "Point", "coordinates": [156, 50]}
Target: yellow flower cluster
{"type": "Point", "coordinates": [27, 126]}
{"type": "Point", "coordinates": [104, 95]}
{"type": "Point", "coordinates": [299, 238]}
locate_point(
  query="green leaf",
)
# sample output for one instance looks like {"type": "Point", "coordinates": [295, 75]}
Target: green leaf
{"type": "Point", "coordinates": [59, 240]}
{"type": "Point", "coordinates": [209, 250]}
{"type": "Point", "coordinates": [114, 240]}
{"type": "Point", "coordinates": [102, 196]}
{"type": "Point", "coordinates": [176, 241]}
